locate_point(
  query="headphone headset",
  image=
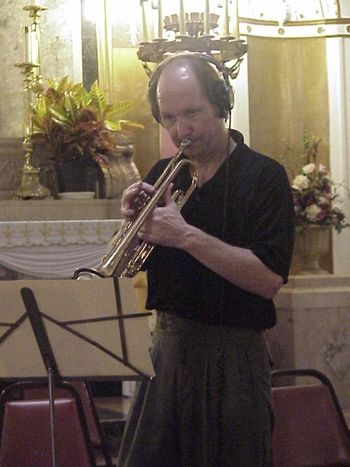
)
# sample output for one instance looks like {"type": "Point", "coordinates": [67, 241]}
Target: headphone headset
{"type": "Point", "coordinates": [224, 90]}
{"type": "Point", "coordinates": [221, 91]}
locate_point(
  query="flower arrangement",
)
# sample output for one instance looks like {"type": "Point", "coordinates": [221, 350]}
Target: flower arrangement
{"type": "Point", "coordinates": [77, 123]}
{"type": "Point", "coordinates": [314, 194]}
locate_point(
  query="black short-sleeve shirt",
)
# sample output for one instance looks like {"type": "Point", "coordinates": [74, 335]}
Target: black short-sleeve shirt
{"type": "Point", "coordinates": [259, 216]}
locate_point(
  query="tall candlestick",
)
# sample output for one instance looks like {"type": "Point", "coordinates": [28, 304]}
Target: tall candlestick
{"type": "Point", "coordinates": [206, 17]}
{"type": "Point", "coordinates": [160, 19]}
{"type": "Point", "coordinates": [30, 187]}
{"type": "Point", "coordinates": [182, 18]}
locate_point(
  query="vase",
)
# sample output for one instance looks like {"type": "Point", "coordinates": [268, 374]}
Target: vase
{"type": "Point", "coordinates": [78, 174]}
{"type": "Point", "coordinates": [313, 243]}
{"type": "Point", "coordinates": [120, 171]}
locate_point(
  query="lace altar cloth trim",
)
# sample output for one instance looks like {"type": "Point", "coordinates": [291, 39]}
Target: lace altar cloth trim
{"type": "Point", "coordinates": [45, 233]}
{"type": "Point", "coordinates": [54, 249]}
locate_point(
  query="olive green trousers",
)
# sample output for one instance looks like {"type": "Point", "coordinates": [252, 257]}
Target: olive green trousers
{"type": "Point", "coordinates": [209, 404]}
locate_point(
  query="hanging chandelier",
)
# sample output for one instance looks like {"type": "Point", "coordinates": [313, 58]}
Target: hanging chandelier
{"type": "Point", "coordinates": [195, 31]}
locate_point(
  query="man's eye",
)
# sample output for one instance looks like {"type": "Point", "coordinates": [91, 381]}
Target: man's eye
{"type": "Point", "coordinates": [167, 119]}
{"type": "Point", "coordinates": [191, 113]}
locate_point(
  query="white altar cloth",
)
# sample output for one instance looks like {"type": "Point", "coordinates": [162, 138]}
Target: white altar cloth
{"type": "Point", "coordinates": [54, 249]}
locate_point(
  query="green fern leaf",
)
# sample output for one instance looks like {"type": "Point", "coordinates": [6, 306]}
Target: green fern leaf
{"type": "Point", "coordinates": [116, 110]}
{"type": "Point", "coordinates": [40, 108]}
{"type": "Point", "coordinates": [64, 85]}
{"type": "Point", "coordinates": [71, 107]}
{"type": "Point", "coordinates": [98, 99]}
{"type": "Point", "coordinates": [81, 95]}
{"type": "Point", "coordinates": [58, 115]}
{"type": "Point", "coordinates": [52, 83]}
{"type": "Point", "coordinates": [112, 125]}
{"type": "Point", "coordinates": [122, 107]}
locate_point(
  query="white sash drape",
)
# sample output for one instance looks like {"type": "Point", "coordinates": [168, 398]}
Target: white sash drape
{"type": "Point", "coordinates": [54, 249]}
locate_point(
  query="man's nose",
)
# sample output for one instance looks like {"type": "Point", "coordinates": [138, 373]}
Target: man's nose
{"type": "Point", "coordinates": [183, 128]}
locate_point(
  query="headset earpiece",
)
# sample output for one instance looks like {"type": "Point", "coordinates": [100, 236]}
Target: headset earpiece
{"type": "Point", "coordinates": [225, 94]}
{"type": "Point", "coordinates": [224, 97]}
{"type": "Point", "coordinates": [230, 96]}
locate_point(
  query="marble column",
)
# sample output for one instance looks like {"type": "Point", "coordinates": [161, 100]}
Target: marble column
{"type": "Point", "coordinates": [338, 66]}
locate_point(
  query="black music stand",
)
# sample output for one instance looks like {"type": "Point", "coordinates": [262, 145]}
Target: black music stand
{"type": "Point", "coordinates": [89, 330]}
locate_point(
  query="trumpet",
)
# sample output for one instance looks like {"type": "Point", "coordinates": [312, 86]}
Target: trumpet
{"type": "Point", "coordinates": [127, 253]}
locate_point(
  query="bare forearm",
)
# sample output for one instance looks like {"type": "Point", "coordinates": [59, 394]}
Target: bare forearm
{"type": "Point", "coordinates": [167, 227]}
{"type": "Point", "coordinates": [237, 265]}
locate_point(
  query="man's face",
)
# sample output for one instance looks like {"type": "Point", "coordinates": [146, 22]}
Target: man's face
{"type": "Point", "coordinates": [186, 113]}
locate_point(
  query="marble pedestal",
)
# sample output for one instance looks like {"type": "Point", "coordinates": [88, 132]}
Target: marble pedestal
{"type": "Point", "coordinates": [313, 329]}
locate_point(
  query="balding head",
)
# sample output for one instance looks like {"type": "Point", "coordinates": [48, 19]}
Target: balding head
{"type": "Point", "coordinates": [210, 82]}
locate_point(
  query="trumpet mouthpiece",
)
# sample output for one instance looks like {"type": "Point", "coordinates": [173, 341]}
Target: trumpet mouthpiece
{"type": "Point", "coordinates": [184, 143]}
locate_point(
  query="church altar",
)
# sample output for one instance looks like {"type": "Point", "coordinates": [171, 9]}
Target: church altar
{"type": "Point", "coordinates": [54, 249]}
{"type": "Point", "coordinates": [51, 238]}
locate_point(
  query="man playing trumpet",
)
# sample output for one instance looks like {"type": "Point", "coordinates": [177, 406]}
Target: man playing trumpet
{"type": "Point", "coordinates": [212, 276]}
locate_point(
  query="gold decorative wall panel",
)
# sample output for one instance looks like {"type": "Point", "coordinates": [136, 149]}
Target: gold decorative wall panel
{"type": "Point", "coordinates": [288, 96]}
{"type": "Point", "coordinates": [120, 72]}
{"type": "Point", "coordinates": [130, 82]}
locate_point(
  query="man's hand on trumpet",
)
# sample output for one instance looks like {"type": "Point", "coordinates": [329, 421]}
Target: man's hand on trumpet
{"type": "Point", "coordinates": [133, 199]}
{"type": "Point", "coordinates": [165, 225]}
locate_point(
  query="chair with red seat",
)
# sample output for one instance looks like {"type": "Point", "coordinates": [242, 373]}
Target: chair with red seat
{"type": "Point", "coordinates": [310, 429]}
{"type": "Point", "coordinates": [35, 391]}
{"type": "Point", "coordinates": [77, 390]}
{"type": "Point", "coordinates": [26, 435]}
{"type": "Point", "coordinates": [95, 431]}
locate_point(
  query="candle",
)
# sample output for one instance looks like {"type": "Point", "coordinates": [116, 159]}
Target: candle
{"type": "Point", "coordinates": [26, 38]}
{"type": "Point", "coordinates": [182, 18]}
{"type": "Point", "coordinates": [34, 45]}
{"type": "Point", "coordinates": [226, 20]}
{"type": "Point", "coordinates": [235, 19]}
{"type": "Point", "coordinates": [144, 22]}
{"type": "Point", "coordinates": [206, 17]}
{"type": "Point", "coordinates": [160, 19]}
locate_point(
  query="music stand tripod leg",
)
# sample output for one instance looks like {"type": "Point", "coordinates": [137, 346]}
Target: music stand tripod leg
{"type": "Point", "coordinates": [47, 356]}
{"type": "Point", "coordinates": [52, 415]}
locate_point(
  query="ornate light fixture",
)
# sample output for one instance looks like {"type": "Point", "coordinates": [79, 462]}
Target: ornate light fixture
{"type": "Point", "coordinates": [195, 31]}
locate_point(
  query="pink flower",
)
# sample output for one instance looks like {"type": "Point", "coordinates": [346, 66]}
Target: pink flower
{"type": "Point", "coordinates": [324, 201]}
{"type": "Point", "coordinates": [323, 169]}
